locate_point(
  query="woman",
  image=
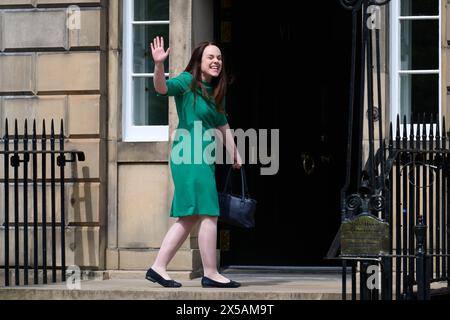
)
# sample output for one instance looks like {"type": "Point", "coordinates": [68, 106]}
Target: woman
{"type": "Point", "coordinates": [199, 94]}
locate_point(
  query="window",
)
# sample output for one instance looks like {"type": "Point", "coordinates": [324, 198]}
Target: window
{"type": "Point", "coordinates": [145, 116]}
{"type": "Point", "coordinates": [415, 60]}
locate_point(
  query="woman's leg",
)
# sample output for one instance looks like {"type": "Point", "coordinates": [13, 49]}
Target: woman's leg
{"type": "Point", "coordinates": [207, 239]}
{"type": "Point", "coordinates": [173, 240]}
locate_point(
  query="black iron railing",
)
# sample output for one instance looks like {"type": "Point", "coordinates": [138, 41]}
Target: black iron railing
{"type": "Point", "coordinates": [18, 160]}
{"type": "Point", "coordinates": [395, 209]}
{"type": "Point", "coordinates": [419, 164]}
{"type": "Point", "coordinates": [418, 254]}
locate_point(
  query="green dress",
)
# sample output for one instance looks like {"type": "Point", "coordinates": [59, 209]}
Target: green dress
{"type": "Point", "coordinates": [193, 173]}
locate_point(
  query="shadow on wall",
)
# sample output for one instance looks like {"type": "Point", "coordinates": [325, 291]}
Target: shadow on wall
{"type": "Point", "coordinates": [85, 244]}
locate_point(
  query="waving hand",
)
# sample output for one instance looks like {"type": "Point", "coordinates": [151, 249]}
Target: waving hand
{"type": "Point", "coordinates": [158, 53]}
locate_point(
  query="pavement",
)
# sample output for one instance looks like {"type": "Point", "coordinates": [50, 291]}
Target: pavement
{"type": "Point", "coordinates": [132, 286]}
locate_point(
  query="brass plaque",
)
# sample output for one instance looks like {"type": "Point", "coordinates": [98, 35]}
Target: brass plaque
{"type": "Point", "coordinates": [364, 235]}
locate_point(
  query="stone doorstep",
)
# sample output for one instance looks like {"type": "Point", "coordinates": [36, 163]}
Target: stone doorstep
{"type": "Point", "coordinates": [130, 284]}
{"type": "Point", "coordinates": [284, 270]}
{"type": "Point", "coordinates": [94, 275]}
{"type": "Point", "coordinates": [133, 289]}
{"type": "Point", "coordinates": [137, 274]}
{"type": "Point", "coordinates": [161, 294]}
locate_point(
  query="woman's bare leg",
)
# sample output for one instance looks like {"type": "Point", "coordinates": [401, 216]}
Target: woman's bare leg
{"type": "Point", "coordinates": [173, 240]}
{"type": "Point", "coordinates": [207, 240]}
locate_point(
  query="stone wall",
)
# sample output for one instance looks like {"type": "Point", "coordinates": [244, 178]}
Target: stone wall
{"type": "Point", "coordinates": [48, 71]}
{"type": "Point", "coordinates": [118, 205]}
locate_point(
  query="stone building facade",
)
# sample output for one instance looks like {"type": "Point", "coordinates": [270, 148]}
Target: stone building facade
{"type": "Point", "coordinates": [117, 213]}
{"type": "Point", "coordinates": [119, 202]}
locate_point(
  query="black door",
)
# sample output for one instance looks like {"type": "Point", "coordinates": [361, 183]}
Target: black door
{"type": "Point", "coordinates": [290, 69]}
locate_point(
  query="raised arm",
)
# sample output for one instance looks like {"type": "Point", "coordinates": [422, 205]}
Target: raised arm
{"type": "Point", "coordinates": [159, 56]}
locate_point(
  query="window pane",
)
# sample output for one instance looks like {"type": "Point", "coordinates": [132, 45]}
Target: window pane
{"type": "Point", "coordinates": [419, 94]}
{"type": "Point", "coordinates": [420, 7]}
{"type": "Point", "coordinates": [151, 10]}
{"type": "Point", "coordinates": [142, 36]}
{"type": "Point", "coordinates": [419, 44]}
{"type": "Point", "coordinates": [148, 109]}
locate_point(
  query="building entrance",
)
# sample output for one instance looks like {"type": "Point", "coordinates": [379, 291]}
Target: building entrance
{"type": "Point", "coordinates": [290, 67]}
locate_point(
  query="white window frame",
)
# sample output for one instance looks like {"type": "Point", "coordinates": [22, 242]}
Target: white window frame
{"type": "Point", "coordinates": [132, 132]}
{"type": "Point", "coordinates": [395, 60]}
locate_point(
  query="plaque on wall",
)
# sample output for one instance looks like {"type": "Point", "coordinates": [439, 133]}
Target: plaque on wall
{"type": "Point", "coordinates": [364, 235]}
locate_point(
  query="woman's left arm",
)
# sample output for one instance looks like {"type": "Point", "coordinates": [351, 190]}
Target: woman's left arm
{"type": "Point", "coordinates": [227, 139]}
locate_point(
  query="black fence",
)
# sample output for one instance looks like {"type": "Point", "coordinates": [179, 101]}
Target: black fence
{"type": "Point", "coordinates": [422, 191]}
{"type": "Point", "coordinates": [395, 208]}
{"type": "Point", "coordinates": [22, 159]}
{"type": "Point", "coordinates": [417, 213]}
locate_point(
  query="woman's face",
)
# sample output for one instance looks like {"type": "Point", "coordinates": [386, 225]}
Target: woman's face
{"type": "Point", "coordinates": [211, 63]}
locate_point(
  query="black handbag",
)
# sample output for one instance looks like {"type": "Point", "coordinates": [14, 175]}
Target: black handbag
{"type": "Point", "coordinates": [237, 210]}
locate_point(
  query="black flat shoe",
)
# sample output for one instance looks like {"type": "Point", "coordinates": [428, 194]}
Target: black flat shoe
{"type": "Point", "coordinates": [210, 283]}
{"type": "Point", "coordinates": [153, 276]}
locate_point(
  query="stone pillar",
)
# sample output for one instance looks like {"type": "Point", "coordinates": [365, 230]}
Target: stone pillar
{"type": "Point", "coordinates": [114, 102]}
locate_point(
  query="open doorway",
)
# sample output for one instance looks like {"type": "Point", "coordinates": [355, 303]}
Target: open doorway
{"type": "Point", "coordinates": [290, 66]}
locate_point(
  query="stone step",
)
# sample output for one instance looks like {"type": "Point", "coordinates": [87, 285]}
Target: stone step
{"type": "Point", "coordinates": [132, 274]}
{"type": "Point", "coordinates": [241, 269]}
{"type": "Point", "coordinates": [90, 275]}
{"type": "Point", "coordinates": [127, 285]}
{"type": "Point", "coordinates": [145, 290]}
{"type": "Point", "coordinates": [131, 285]}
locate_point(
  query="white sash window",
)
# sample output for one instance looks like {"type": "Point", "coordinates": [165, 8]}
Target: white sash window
{"type": "Point", "coordinates": [415, 61]}
{"type": "Point", "coordinates": [145, 116]}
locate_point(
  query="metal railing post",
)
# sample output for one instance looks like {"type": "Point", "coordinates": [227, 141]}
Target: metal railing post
{"type": "Point", "coordinates": [6, 193]}
{"type": "Point", "coordinates": [13, 158]}
{"type": "Point", "coordinates": [420, 232]}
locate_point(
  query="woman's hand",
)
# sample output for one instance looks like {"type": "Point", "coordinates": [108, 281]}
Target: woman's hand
{"type": "Point", "coordinates": [159, 56]}
{"type": "Point", "coordinates": [158, 53]}
{"type": "Point", "coordinates": [237, 161]}
{"type": "Point", "coordinates": [226, 138]}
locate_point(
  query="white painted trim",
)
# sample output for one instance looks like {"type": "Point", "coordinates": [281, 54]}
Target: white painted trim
{"type": "Point", "coordinates": [395, 71]}
{"type": "Point", "coordinates": [145, 75]}
{"type": "Point", "coordinates": [419, 71]}
{"type": "Point", "coordinates": [131, 132]}
{"type": "Point", "coordinates": [418, 17]}
{"type": "Point", "coordinates": [440, 64]}
{"type": "Point", "coordinates": [127, 67]}
{"type": "Point", "coordinates": [151, 22]}
{"type": "Point", "coordinates": [394, 57]}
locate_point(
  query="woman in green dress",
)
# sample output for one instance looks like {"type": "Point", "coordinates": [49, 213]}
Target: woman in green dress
{"type": "Point", "coordinates": [199, 94]}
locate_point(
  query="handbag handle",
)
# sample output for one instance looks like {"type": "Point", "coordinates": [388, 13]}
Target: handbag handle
{"type": "Point", "coordinates": [244, 185]}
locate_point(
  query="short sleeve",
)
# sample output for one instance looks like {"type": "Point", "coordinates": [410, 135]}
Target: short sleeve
{"type": "Point", "coordinates": [178, 85]}
{"type": "Point", "coordinates": [221, 117]}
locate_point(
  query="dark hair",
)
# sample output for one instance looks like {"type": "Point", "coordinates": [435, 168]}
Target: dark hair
{"type": "Point", "coordinates": [219, 84]}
